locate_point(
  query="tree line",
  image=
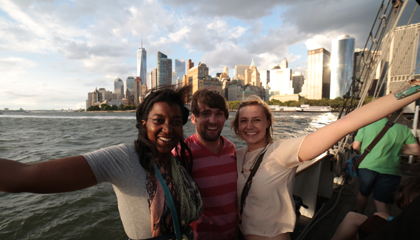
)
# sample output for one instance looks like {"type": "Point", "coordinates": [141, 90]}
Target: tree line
{"type": "Point", "coordinates": [107, 107]}
{"type": "Point", "coordinates": [335, 104]}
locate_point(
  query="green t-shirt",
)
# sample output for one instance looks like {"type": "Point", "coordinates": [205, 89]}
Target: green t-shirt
{"type": "Point", "coordinates": [385, 156]}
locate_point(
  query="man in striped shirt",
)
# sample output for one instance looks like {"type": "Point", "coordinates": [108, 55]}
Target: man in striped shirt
{"type": "Point", "coordinates": [214, 166]}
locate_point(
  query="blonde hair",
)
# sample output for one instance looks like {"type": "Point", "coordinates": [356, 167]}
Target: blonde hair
{"type": "Point", "coordinates": [254, 100]}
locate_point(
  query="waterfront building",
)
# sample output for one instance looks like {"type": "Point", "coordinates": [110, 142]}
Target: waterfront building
{"type": "Point", "coordinates": [137, 94]}
{"type": "Point", "coordinates": [179, 68]}
{"type": "Point", "coordinates": [149, 80]}
{"type": "Point", "coordinates": [211, 83]}
{"type": "Point", "coordinates": [318, 75]}
{"type": "Point", "coordinates": [245, 91]}
{"type": "Point", "coordinates": [341, 63]}
{"type": "Point", "coordinates": [119, 88]}
{"type": "Point", "coordinates": [162, 70]}
{"type": "Point", "coordinates": [129, 85]}
{"type": "Point", "coordinates": [281, 80]}
{"type": "Point", "coordinates": [231, 89]}
{"type": "Point", "coordinates": [142, 64]}
{"type": "Point", "coordinates": [174, 77]}
{"type": "Point", "coordinates": [190, 64]}
{"type": "Point", "coordinates": [402, 56]}
{"type": "Point", "coordinates": [265, 79]}
{"type": "Point", "coordinates": [252, 76]}
{"type": "Point", "coordinates": [363, 70]}
{"type": "Point", "coordinates": [94, 98]}
{"type": "Point", "coordinates": [240, 71]}
{"type": "Point", "coordinates": [104, 94]}
{"type": "Point", "coordinates": [195, 74]}
{"type": "Point", "coordinates": [168, 71]}
{"type": "Point", "coordinates": [154, 78]}
{"type": "Point", "coordinates": [298, 80]}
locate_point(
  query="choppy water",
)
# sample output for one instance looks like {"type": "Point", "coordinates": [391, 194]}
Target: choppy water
{"type": "Point", "coordinates": [90, 213]}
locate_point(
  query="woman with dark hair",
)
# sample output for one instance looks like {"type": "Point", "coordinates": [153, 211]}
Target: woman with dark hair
{"type": "Point", "coordinates": [266, 168]}
{"type": "Point", "coordinates": [156, 196]}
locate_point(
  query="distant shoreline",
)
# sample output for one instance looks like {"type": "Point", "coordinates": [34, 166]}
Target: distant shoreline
{"type": "Point", "coordinates": [112, 111]}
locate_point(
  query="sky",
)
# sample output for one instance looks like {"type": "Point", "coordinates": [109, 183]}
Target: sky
{"type": "Point", "coordinates": [52, 53]}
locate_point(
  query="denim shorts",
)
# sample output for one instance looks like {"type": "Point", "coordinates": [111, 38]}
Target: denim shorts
{"type": "Point", "coordinates": [382, 185]}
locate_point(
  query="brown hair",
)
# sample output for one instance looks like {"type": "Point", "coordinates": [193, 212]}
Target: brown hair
{"type": "Point", "coordinates": [407, 192]}
{"type": "Point", "coordinates": [211, 98]}
{"type": "Point", "coordinates": [254, 100]}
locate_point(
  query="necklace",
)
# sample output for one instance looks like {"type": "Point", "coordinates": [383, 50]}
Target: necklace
{"type": "Point", "coordinates": [255, 160]}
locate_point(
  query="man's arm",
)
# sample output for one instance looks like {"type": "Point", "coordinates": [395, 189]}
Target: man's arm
{"type": "Point", "coordinates": [357, 145]}
{"type": "Point", "coordinates": [59, 175]}
{"type": "Point", "coordinates": [411, 149]}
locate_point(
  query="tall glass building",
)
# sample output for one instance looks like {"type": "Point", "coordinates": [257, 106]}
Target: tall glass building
{"type": "Point", "coordinates": [119, 88]}
{"type": "Point", "coordinates": [161, 69]}
{"type": "Point", "coordinates": [341, 64]}
{"type": "Point", "coordinates": [129, 84]}
{"type": "Point", "coordinates": [142, 65]}
{"type": "Point", "coordinates": [180, 68]}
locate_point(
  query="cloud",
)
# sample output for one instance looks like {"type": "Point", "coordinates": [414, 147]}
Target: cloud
{"type": "Point", "coordinates": [241, 9]}
{"type": "Point", "coordinates": [16, 66]}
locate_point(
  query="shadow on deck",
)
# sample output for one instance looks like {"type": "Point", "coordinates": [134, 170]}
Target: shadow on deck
{"type": "Point", "coordinates": [332, 211]}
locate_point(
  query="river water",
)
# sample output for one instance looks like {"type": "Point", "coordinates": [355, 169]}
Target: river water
{"type": "Point", "coordinates": [89, 213]}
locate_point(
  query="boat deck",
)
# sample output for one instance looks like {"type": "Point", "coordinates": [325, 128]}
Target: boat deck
{"type": "Point", "coordinates": [332, 211]}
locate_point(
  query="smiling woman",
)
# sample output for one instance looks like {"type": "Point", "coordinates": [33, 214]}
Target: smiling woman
{"type": "Point", "coordinates": [267, 206]}
{"type": "Point", "coordinates": [156, 196]}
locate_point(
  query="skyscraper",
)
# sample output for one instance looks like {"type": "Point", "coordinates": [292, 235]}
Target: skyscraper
{"type": "Point", "coordinates": [252, 75]}
{"type": "Point", "coordinates": [119, 88]}
{"type": "Point", "coordinates": [402, 56]}
{"type": "Point", "coordinates": [240, 71]}
{"type": "Point", "coordinates": [317, 84]}
{"type": "Point", "coordinates": [164, 70]}
{"type": "Point", "coordinates": [168, 71]}
{"type": "Point", "coordinates": [342, 53]}
{"type": "Point", "coordinates": [142, 64]}
{"type": "Point", "coordinates": [137, 90]}
{"type": "Point", "coordinates": [129, 84]}
{"type": "Point", "coordinates": [153, 77]}
{"type": "Point", "coordinates": [298, 81]}
{"type": "Point", "coordinates": [281, 80]}
{"type": "Point", "coordinates": [179, 68]}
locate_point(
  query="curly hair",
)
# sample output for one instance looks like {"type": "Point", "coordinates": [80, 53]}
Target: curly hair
{"type": "Point", "coordinates": [254, 100]}
{"type": "Point", "coordinates": [145, 149]}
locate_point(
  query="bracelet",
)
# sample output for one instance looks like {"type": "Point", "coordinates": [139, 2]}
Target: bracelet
{"type": "Point", "coordinates": [408, 90]}
{"type": "Point", "coordinates": [390, 218]}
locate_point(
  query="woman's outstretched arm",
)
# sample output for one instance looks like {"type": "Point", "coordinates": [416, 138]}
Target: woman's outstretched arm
{"type": "Point", "coordinates": [322, 139]}
{"type": "Point", "coordinates": [59, 175]}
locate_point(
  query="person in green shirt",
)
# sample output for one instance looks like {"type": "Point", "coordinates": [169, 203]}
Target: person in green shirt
{"type": "Point", "coordinates": [379, 172]}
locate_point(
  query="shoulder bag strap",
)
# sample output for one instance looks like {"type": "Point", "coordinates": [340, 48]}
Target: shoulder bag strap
{"type": "Point", "coordinates": [372, 144]}
{"type": "Point", "coordinates": [248, 183]}
{"type": "Point", "coordinates": [170, 202]}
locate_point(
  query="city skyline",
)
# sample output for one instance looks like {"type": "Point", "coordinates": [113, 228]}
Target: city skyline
{"type": "Point", "coordinates": [56, 52]}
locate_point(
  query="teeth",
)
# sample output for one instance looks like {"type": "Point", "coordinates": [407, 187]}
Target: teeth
{"type": "Point", "coordinates": [165, 139]}
{"type": "Point", "coordinates": [251, 133]}
{"type": "Point", "coordinates": [212, 128]}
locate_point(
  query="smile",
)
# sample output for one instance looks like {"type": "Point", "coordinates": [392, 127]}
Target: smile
{"type": "Point", "coordinates": [251, 133]}
{"type": "Point", "coordinates": [212, 128]}
{"type": "Point", "coordinates": [165, 139]}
